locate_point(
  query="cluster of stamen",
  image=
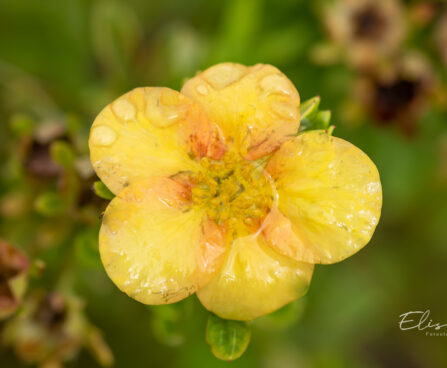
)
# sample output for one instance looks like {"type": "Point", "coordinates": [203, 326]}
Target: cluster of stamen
{"type": "Point", "coordinates": [234, 191]}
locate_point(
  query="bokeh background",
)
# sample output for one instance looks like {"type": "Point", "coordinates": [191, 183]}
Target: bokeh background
{"type": "Point", "coordinates": [380, 66]}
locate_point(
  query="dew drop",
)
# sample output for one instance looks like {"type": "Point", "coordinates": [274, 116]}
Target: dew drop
{"type": "Point", "coordinates": [285, 110]}
{"type": "Point", "coordinates": [274, 83]}
{"type": "Point", "coordinates": [103, 136]}
{"type": "Point", "coordinates": [202, 90]}
{"type": "Point", "coordinates": [223, 75]}
{"type": "Point", "coordinates": [124, 109]}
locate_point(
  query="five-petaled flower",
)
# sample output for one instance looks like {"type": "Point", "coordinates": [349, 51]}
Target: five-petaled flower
{"type": "Point", "coordinates": [218, 194]}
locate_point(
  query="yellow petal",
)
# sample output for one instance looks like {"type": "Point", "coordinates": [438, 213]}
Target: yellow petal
{"type": "Point", "coordinates": [154, 247]}
{"type": "Point", "coordinates": [256, 107]}
{"type": "Point", "coordinates": [330, 198]}
{"type": "Point", "coordinates": [254, 280]}
{"type": "Point", "coordinates": [150, 132]}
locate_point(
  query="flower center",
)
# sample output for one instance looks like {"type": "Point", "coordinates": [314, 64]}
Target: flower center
{"type": "Point", "coordinates": [234, 191]}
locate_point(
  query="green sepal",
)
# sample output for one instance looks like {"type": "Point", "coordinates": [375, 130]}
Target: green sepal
{"type": "Point", "coordinates": [323, 119]}
{"type": "Point", "coordinates": [102, 191]}
{"type": "Point", "coordinates": [312, 118]}
{"type": "Point", "coordinates": [228, 339]}
{"type": "Point", "coordinates": [309, 108]}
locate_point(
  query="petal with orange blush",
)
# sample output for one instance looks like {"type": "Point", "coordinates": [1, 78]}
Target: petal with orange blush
{"type": "Point", "coordinates": [254, 280]}
{"type": "Point", "coordinates": [212, 247]}
{"type": "Point", "coordinates": [154, 246]}
{"type": "Point", "coordinates": [256, 107]}
{"type": "Point", "coordinates": [150, 132]}
{"type": "Point", "coordinates": [330, 199]}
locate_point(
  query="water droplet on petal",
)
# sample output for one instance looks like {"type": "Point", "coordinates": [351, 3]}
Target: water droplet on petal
{"type": "Point", "coordinates": [124, 109]}
{"type": "Point", "coordinates": [164, 106]}
{"type": "Point", "coordinates": [223, 75]}
{"type": "Point", "coordinates": [202, 89]}
{"type": "Point", "coordinates": [103, 136]}
{"type": "Point", "coordinates": [285, 110]}
{"type": "Point", "coordinates": [274, 83]}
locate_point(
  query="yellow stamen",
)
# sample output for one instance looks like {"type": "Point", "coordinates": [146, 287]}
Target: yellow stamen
{"type": "Point", "coordinates": [234, 191]}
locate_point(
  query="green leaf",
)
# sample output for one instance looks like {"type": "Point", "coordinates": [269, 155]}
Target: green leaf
{"type": "Point", "coordinates": [50, 204]}
{"type": "Point", "coordinates": [228, 339]}
{"type": "Point", "coordinates": [102, 191]}
{"type": "Point", "coordinates": [63, 154]}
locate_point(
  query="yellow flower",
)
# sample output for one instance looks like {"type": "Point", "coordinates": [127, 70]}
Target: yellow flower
{"type": "Point", "coordinates": [217, 194]}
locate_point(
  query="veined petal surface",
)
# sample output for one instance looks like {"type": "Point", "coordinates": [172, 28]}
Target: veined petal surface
{"type": "Point", "coordinates": [256, 107]}
{"type": "Point", "coordinates": [330, 199]}
{"type": "Point", "coordinates": [254, 280]}
{"type": "Point", "coordinates": [150, 132]}
{"type": "Point", "coordinates": [155, 247]}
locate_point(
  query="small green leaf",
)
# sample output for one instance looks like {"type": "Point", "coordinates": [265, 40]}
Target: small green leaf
{"type": "Point", "coordinates": [309, 108]}
{"type": "Point", "coordinates": [63, 154]}
{"type": "Point", "coordinates": [228, 339]}
{"type": "Point", "coordinates": [102, 191]}
{"type": "Point", "coordinates": [50, 204]}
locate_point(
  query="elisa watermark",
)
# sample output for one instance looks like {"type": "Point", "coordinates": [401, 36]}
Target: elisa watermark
{"type": "Point", "coordinates": [419, 320]}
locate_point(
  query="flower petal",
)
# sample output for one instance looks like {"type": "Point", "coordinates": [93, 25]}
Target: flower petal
{"type": "Point", "coordinates": [154, 246]}
{"type": "Point", "coordinates": [331, 197]}
{"type": "Point", "coordinates": [254, 280]}
{"type": "Point", "coordinates": [256, 107]}
{"type": "Point", "coordinates": [150, 132]}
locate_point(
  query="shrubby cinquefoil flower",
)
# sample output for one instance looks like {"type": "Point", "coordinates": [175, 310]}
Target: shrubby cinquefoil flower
{"type": "Point", "coordinates": [367, 30]}
{"type": "Point", "coordinates": [398, 93]}
{"type": "Point", "coordinates": [217, 193]}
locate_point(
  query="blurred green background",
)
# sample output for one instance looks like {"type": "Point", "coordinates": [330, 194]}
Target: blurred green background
{"type": "Point", "coordinates": [62, 61]}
